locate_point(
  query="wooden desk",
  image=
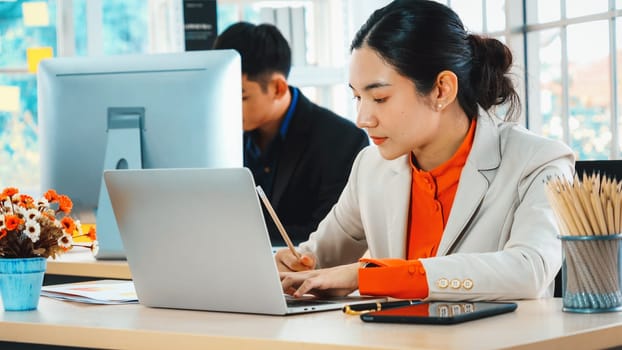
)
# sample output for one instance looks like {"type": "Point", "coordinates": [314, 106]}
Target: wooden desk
{"type": "Point", "coordinates": [537, 324]}
{"type": "Point", "coordinates": [79, 265]}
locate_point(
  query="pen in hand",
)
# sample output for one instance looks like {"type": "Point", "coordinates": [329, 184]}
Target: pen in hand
{"type": "Point", "coordinates": [358, 309]}
{"type": "Point", "coordinates": [276, 220]}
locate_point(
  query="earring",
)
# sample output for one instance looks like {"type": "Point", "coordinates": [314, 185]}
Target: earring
{"type": "Point", "coordinates": [439, 106]}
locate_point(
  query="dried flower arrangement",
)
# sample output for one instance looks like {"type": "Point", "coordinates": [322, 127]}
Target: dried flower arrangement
{"type": "Point", "coordinates": [42, 228]}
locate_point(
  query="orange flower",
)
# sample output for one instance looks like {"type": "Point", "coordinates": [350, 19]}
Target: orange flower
{"type": "Point", "coordinates": [65, 204]}
{"type": "Point", "coordinates": [92, 233]}
{"type": "Point", "coordinates": [68, 224]}
{"type": "Point", "coordinates": [10, 191]}
{"type": "Point", "coordinates": [26, 201]}
{"type": "Point", "coordinates": [51, 196]}
{"type": "Point", "coordinates": [51, 234]}
{"type": "Point", "coordinates": [12, 221]}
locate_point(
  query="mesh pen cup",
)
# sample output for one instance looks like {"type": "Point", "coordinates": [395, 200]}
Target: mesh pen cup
{"type": "Point", "coordinates": [591, 273]}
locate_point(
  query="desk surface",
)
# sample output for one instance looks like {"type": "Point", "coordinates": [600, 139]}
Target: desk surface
{"type": "Point", "coordinates": [537, 324]}
{"type": "Point", "coordinates": [82, 263]}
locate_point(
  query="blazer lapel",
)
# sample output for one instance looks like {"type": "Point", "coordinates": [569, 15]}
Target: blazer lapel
{"type": "Point", "coordinates": [397, 203]}
{"type": "Point", "coordinates": [471, 191]}
{"type": "Point", "coordinates": [485, 155]}
{"type": "Point", "coordinates": [293, 148]}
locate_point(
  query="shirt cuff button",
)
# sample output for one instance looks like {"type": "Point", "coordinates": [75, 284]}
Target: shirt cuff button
{"type": "Point", "coordinates": [467, 284]}
{"type": "Point", "coordinates": [442, 283]}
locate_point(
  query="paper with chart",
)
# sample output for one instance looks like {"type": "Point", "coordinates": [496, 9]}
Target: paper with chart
{"type": "Point", "coordinates": [95, 292]}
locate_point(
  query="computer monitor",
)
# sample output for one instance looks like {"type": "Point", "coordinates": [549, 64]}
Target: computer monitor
{"type": "Point", "coordinates": [176, 110]}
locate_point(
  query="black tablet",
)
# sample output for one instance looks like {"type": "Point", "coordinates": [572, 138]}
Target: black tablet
{"type": "Point", "coordinates": [439, 312]}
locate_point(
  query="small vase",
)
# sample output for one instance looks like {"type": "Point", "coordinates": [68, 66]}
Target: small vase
{"type": "Point", "coordinates": [20, 282]}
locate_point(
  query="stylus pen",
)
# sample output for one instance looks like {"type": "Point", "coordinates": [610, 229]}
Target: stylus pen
{"type": "Point", "coordinates": [266, 202]}
{"type": "Point", "coordinates": [358, 309]}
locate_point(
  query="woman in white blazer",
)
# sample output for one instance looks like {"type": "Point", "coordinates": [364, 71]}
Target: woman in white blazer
{"type": "Point", "coordinates": [422, 85]}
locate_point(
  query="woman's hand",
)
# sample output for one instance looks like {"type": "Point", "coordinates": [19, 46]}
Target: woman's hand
{"type": "Point", "coordinates": [335, 281]}
{"type": "Point", "coordinates": [286, 261]}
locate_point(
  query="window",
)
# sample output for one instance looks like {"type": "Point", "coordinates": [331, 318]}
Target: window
{"type": "Point", "coordinates": [318, 65]}
{"type": "Point", "coordinates": [570, 65]}
{"type": "Point", "coordinates": [563, 49]}
{"type": "Point", "coordinates": [90, 27]}
{"type": "Point", "coordinates": [28, 30]}
{"type": "Point", "coordinates": [110, 27]}
{"type": "Point", "coordinates": [502, 20]}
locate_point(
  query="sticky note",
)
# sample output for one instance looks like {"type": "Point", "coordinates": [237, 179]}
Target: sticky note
{"type": "Point", "coordinates": [36, 14]}
{"type": "Point", "coordinates": [9, 98]}
{"type": "Point", "coordinates": [36, 54]}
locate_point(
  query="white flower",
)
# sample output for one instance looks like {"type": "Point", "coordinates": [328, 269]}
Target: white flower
{"type": "Point", "coordinates": [94, 247]}
{"type": "Point", "coordinates": [6, 204]}
{"type": "Point", "coordinates": [32, 230]}
{"type": "Point", "coordinates": [16, 198]}
{"type": "Point", "coordinates": [32, 214]}
{"type": "Point", "coordinates": [78, 227]}
{"type": "Point", "coordinates": [19, 211]}
{"type": "Point", "coordinates": [65, 241]}
{"type": "Point", "coordinates": [43, 203]}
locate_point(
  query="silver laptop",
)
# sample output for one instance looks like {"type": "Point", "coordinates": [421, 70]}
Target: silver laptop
{"type": "Point", "coordinates": [196, 239]}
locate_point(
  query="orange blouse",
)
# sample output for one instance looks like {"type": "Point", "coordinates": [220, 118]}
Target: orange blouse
{"type": "Point", "coordinates": [431, 198]}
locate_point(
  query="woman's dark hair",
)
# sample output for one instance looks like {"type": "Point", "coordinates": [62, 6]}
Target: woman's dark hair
{"type": "Point", "coordinates": [422, 38]}
{"type": "Point", "coordinates": [263, 50]}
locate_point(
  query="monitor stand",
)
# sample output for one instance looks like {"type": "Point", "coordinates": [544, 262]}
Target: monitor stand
{"type": "Point", "coordinates": [123, 151]}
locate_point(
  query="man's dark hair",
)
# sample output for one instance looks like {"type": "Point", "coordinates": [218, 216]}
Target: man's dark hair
{"type": "Point", "coordinates": [263, 49]}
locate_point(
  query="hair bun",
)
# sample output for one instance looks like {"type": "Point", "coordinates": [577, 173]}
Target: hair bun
{"type": "Point", "coordinates": [492, 61]}
{"type": "Point", "coordinates": [491, 52]}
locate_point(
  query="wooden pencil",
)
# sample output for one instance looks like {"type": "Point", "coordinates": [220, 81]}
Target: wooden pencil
{"type": "Point", "coordinates": [590, 205]}
{"type": "Point", "coordinates": [276, 220]}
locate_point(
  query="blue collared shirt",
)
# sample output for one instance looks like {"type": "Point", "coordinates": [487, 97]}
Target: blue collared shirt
{"type": "Point", "coordinates": [263, 165]}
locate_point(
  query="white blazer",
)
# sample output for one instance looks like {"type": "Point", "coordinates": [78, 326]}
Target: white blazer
{"type": "Point", "coordinates": [500, 241]}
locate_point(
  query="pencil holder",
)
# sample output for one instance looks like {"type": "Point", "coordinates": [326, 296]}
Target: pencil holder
{"type": "Point", "coordinates": [591, 273]}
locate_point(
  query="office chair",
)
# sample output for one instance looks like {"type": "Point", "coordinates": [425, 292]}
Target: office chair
{"type": "Point", "coordinates": [611, 168]}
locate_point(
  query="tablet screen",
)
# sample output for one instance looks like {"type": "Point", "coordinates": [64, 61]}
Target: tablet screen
{"type": "Point", "coordinates": [439, 312]}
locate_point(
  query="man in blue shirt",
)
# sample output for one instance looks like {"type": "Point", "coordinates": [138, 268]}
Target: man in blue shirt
{"type": "Point", "coordinates": [300, 153]}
